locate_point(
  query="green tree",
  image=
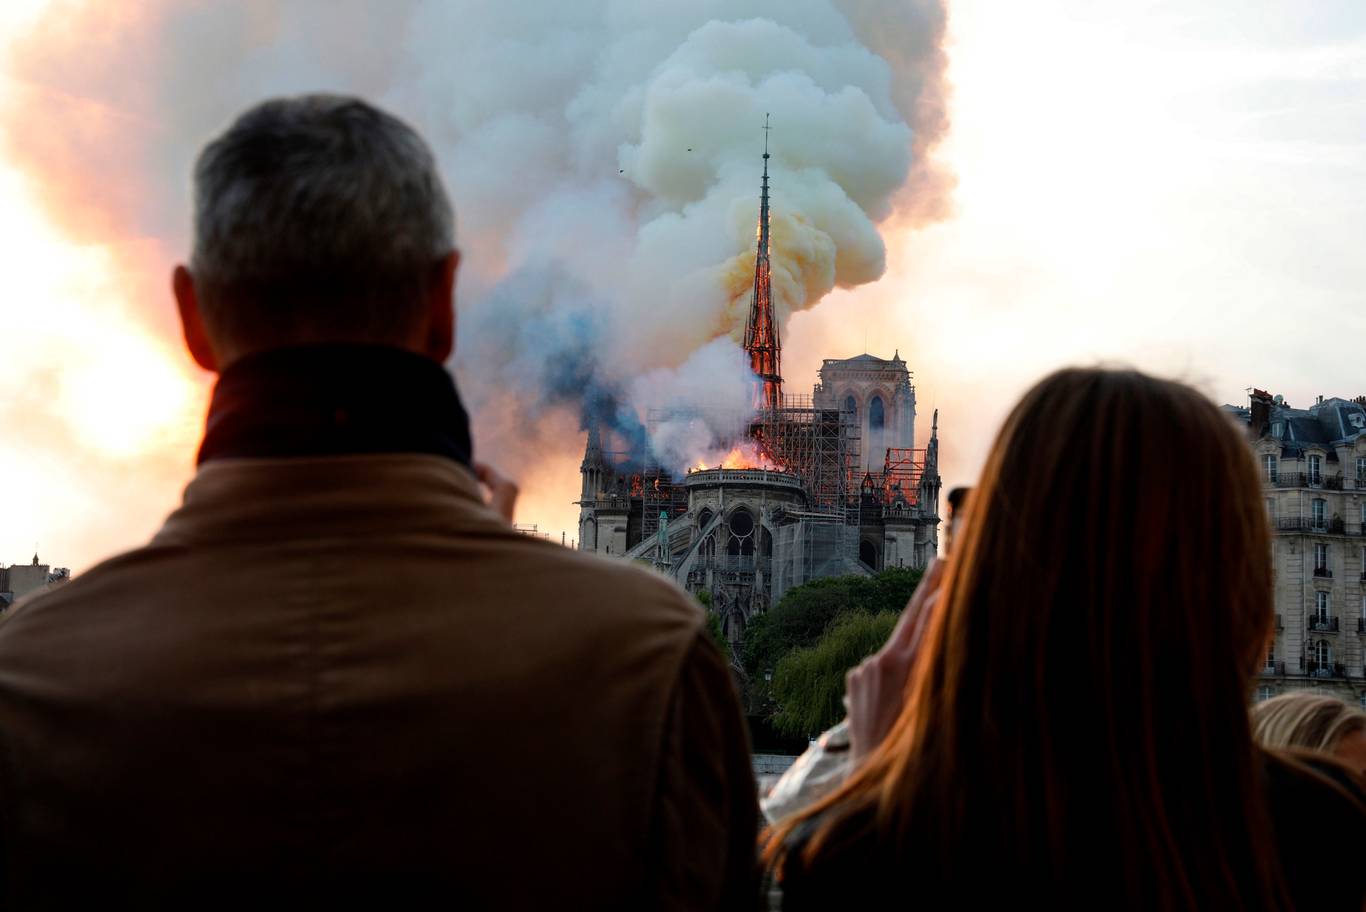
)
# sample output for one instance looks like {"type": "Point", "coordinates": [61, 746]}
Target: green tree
{"type": "Point", "coordinates": [804, 613]}
{"type": "Point", "coordinates": [718, 636]}
{"type": "Point", "coordinates": [808, 684]}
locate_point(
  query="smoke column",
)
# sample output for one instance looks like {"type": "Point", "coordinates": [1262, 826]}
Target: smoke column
{"type": "Point", "coordinates": [603, 158]}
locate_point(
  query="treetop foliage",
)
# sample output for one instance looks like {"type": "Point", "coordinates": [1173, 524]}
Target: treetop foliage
{"type": "Point", "coordinates": [804, 613]}
{"type": "Point", "coordinates": [808, 684]}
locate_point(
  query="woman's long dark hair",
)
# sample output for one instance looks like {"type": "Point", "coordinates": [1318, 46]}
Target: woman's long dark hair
{"type": "Point", "coordinates": [1076, 720]}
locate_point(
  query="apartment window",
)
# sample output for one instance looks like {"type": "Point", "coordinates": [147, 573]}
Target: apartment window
{"type": "Point", "coordinates": [1271, 655]}
{"type": "Point", "coordinates": [1315, 470]}
{"type": "Point", "coordinates": [1363, 520]}
{"type": "Point", "coordinates": [1264, 694]}
{"type": "Point", "coordinates": [1323, 654]}
{"type": "Point", "coordinates": [1271, 508]}
{"type": "Point", "coordinates": [1320, 556]}
{"type": "Point", "coordinates": [1363, 699]}
{"type": "Point", "coordinates": [1269, 467]}
{"type": "Point", "coordinates": [1361, 468]}
{"type": "Point", "coordinates": [1318, 510]}
{"type": "Point", "coordinates": [1321, 607]}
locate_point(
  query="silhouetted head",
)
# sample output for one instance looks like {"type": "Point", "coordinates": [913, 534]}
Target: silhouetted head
{"type": "Point", "coordinates": [1077, 715]}
{"type": "Point", "coordinates": [1314, 722]}
{"type": "Point", "coordinates": [317, 219]}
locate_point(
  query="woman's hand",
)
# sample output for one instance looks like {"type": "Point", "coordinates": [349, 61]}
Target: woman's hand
{"type": "Point", "coordinates": [875, 690]}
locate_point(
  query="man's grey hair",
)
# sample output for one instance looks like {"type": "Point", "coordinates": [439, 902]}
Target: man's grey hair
{"type": "Point", "coordinates": [318, 216]}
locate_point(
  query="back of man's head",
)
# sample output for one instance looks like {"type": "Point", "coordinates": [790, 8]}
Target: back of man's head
{"type": "Point", "coordinates": [317, 218]}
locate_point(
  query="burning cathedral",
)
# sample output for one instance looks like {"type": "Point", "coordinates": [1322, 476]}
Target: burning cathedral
{"type": "Point", "coordinates": [813, 486]}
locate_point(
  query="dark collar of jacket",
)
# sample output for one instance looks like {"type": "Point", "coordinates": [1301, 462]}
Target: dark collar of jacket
{"type": "Point", "coordinates": [334, 400]}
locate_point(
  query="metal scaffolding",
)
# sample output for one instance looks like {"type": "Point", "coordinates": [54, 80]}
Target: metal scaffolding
{"type": "Point", "coordinates": [900, 475]}
{"type": "Point", "coordinates": [819, 445]}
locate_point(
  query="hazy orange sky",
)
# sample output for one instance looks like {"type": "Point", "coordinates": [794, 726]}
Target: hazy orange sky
{"type": "Point", "coordinates": [1177, 186]}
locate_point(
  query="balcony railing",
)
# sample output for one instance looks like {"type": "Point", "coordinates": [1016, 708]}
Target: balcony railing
{"type": "Point", "coordinates": [733, 563]}
{"type": "Point", "coordinates": [1310, 524]}
{"type": "Point", "coordinates": [1273, 668]}
{"type": "Point", "coordinates": [1304, 480]}
{"type": "Point", "coordinates": [1320, 624]}
{"type": "Point", "coordinates": [1325, 669]}
{"type": "Point", "coordinates": [1323, 573]}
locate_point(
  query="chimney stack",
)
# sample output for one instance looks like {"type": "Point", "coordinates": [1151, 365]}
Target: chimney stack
{"type": "Point", "coordinates": [1259, 405]}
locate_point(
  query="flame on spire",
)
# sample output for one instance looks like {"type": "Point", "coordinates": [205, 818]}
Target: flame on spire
{"type": "Point", "coordinates": [761, 333]}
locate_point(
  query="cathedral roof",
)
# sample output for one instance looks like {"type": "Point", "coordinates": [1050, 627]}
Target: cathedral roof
{"type": "Point", "coordinates": [864, 360]}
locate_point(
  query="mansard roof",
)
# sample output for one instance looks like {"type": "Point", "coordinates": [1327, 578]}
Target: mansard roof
{"type": "Point", "coordinates": [1325, 425]}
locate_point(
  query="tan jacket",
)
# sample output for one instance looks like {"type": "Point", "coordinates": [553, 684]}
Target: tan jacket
{"type": "Point", "coordinates": [344, 679]}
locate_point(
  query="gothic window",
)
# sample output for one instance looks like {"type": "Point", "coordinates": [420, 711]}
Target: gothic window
{"type": "Point", "coordinates": [867, 553]}
{"type": "Point", "coordinates": [876, 414]}
{"type": "Point", "coordinates": [741, 528]}
{"type": "Point", "coordinates": [851, 406]}
{"type": "Point", "coordinates": [877, 420]}
{"type": "Point", "coordinates": [704, 518]}
{"type": "Point", "coordinates": [1315, 469]}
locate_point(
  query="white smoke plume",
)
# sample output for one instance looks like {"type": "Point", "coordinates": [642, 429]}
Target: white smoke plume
{"type": "Point", "coordinates": [603, 157]}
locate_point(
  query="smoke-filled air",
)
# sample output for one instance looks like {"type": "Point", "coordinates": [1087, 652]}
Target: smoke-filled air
{"type": "Point", "coordinates": [604, 159]}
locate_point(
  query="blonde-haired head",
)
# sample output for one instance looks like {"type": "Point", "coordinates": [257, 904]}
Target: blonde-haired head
{"type": "Point", "coordinates": [1307, 720]}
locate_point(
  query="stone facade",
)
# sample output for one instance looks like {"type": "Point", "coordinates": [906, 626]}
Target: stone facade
{"type": "Point", "coordinates": [879, 394]}
{"type": "Point", "coordinates": [1313, 465]}
{"type": "Point", "coordinates": [18, 580]}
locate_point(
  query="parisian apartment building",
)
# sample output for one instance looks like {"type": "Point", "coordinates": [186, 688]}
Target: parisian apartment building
{"type": "Point", "coordinates": [1313, 467]}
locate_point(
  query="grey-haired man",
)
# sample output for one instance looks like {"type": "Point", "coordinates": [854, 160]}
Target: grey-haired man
{"type": "Point", "coordinates": [337, 675]}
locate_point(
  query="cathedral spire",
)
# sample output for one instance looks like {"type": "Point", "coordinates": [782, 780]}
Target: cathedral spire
{"type": "Point", "coordinates": [592, 453]}
{"type": "Point", "coordinates": [932, 455]}
{"type": "Point", "coordinates": [761, 333]}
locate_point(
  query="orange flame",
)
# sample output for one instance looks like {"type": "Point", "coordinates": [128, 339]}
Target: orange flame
{"type": "Point", "coordinates": [748, 455]}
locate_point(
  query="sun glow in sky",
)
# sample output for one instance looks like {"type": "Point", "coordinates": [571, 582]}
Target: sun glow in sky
{"type": "Point", "coordinates": [96, 407]}
{"type": "Point", "coordinates": [1180, 186]}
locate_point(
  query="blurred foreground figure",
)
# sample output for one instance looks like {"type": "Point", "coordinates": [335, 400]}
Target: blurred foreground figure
{"type": "Point", "coordinates": [1070, 730]}
{"type": "Point", "coordinates": [1306, 720]}
{"type": "Point", "coordinates": [337, 675]}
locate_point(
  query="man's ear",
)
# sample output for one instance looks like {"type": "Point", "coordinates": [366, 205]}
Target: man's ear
{"type": "Point", "coordinates": [440, 336]}
{"type": "Point", "coordinates": [191, 323]}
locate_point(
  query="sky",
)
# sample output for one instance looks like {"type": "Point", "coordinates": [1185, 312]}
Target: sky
{"type": "Point", "coordinates": [1179, 187]}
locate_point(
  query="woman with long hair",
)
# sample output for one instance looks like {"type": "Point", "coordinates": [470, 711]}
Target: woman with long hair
{"type": "Point", "coordinates": [1073, 728]}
